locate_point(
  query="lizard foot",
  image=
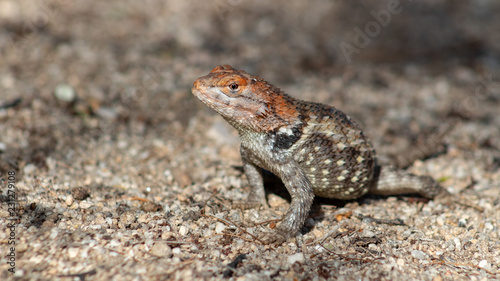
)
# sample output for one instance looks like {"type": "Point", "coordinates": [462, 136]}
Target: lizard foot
{"type": "Point", "coordinates": [272, 237]}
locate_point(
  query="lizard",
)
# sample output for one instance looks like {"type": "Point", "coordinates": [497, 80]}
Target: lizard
{"type": "Point", "coordinates": [315, 149]}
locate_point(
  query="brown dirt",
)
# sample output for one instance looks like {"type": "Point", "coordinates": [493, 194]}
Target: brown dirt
{"type": "Point", "coordinates": [133, 179]}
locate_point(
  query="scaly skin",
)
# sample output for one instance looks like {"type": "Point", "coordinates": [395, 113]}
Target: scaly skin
{"type": "Point", "coordinates": [314, 149]}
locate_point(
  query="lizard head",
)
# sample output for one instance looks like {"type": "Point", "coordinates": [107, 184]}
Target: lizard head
{"type": "Point", "coordinates": [244, 100]}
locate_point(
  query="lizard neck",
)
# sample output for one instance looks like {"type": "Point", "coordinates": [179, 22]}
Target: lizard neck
{"type": "Point", "coordinates": [276, 109]}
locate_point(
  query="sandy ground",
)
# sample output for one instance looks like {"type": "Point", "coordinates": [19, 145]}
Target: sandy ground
{"type": "Point", "coordinates": [119, 173]}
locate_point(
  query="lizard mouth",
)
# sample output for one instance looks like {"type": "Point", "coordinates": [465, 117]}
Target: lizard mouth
{"type": "Point", "coordinates": [210, 96]}
{"type": "Point", "coordinates": [237, 109]}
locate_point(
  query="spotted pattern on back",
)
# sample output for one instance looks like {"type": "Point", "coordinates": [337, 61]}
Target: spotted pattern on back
{"type": "Point", "coordinates": [335, 155]}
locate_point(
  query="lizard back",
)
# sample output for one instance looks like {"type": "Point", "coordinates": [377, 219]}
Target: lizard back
{"type": "Point", "coordinates": [333, 151]}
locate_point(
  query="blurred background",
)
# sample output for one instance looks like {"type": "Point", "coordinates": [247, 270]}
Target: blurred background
{"type": "Point", "coordinates": [74, 70]}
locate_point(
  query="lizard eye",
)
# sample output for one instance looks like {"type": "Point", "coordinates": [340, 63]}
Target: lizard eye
{"type": "Point", "coordinates": [233, 86]}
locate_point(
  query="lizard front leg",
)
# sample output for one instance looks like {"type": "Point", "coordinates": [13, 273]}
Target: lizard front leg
{"type": "Point", "coordinates": [257, 196]}
{"type": "Point", "coordinates": [300, 189]}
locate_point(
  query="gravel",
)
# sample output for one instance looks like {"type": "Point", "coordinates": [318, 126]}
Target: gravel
{"type": "Point", "coordinates": [120, 173]}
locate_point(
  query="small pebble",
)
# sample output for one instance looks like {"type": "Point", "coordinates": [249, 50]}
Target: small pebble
{"type": "Point", "coordinates": [19, 273]}
{"type": "Point", "coordinates": [419, 255]}
{"type": "Point", "coordinates": [22, 247]}
{"type": "Point", "coordinates": [450, 246]}
{"type": "Point", "coordinates": [440, 221]}
{"type": "Point", "coordinates": [298, 257]}
{"type": "Point", "coordinates": [149, 242]}
{"type": "Point", "coordinates": [69, 200]}
{"type": "Point", "coordinates": [106, 113]}
{"type": "Point", "coordinates": [488, 226]}
{"type": "Point", "coordinates": [183, 230]}
{"type": "Point", "coordinates": [219, 227]}
{"type": "Point", "coordinates": [143, 218]}
{"type": "Point", "coordinates": [65, 92]}
{"type": "Point", "coordinates": [367, 233]}
{"type": "Point", "coordinates": [150, 206]}
{"type": "Point", "coordinates": [73, 252]}
{"type": "Point", "coordinates": [85, 205]}
{"type": "Point", "coordinates": [161, 249]}
{"type": "Point", "coordinates": [485, 265]}
{"type": "Point", "coordinates": [80, 193]}
{"type": "Point", "coordinates": [127, 218]}
{"type": "Point", "coordinates": [99, 220]}
{"type": "Point", "coordinates": [176, 251]}
{"type": "Point", "coordinates": [29, 169]}
{"type": "Point", "coordinates": [275, 201]}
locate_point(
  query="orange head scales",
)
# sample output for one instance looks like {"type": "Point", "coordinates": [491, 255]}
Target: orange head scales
{"type": "Point", "coordinates": [245, 101]}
